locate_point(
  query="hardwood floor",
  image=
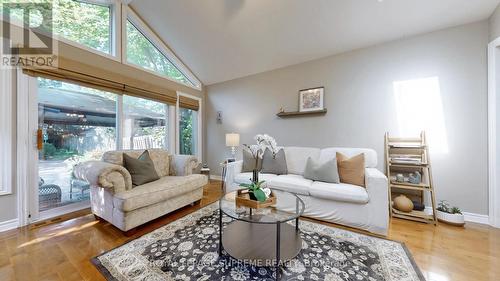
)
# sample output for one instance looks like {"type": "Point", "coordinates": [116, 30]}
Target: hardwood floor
{"type": "Point", "coordinates": [62, 251]}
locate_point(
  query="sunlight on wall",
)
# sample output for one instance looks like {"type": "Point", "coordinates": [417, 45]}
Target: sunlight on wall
{"type": "Point", "coordinates": [419, 107]}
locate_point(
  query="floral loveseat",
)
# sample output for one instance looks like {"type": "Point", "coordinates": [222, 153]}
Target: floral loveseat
{"type": "Point", "coordinates": [114, 199]}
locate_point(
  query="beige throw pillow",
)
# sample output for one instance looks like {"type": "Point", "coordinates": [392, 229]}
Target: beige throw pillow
{"type": "Point", "coordinates": [351, 170]}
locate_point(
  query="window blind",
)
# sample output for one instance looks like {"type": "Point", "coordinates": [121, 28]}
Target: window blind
{"type": "Point", "coordinates": [92, 70]}
{"type": "Point", "coordinates": [189, 103]}
{"type": "Point", "coordinates": [106, 81]}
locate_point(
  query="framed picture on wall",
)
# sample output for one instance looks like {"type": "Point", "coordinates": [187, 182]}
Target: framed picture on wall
{"type": "Point", "coordinates": [311, 99]}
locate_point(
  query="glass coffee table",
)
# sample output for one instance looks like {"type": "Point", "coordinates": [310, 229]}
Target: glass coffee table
{"type": "Point", "coordinates": [261, 237]}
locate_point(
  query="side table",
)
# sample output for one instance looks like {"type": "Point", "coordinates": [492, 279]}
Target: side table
{"type": "Point", "coordinates": [206, 171]}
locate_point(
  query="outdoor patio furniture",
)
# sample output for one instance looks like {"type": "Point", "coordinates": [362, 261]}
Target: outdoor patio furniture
{"type": "Point", "coordinates": [79, 184]}
{"type": "Point", "coordinates": [48, 194]}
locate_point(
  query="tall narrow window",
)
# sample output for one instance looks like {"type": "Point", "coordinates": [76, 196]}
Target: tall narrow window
{"type": "Point", "coordinates": [144, 123]}
{"type": "Point", "coordinates": [141, 52]}
{"type": "Point", "coordinates": [188, 125]}
{"type": "Point", "coordinates": [188, 129]}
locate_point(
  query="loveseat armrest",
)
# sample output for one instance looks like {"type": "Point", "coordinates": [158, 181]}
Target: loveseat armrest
{"type": "Point", "coordinates": [377, 185]}
{"type": "Point", "coordinates": [105, 175]}
{"type": "Point", "coordinates": [182, 165]}
{"type": "Point", "coordinates": [378, 192]}
{"type": "Point", "coordinates": [232, 169]}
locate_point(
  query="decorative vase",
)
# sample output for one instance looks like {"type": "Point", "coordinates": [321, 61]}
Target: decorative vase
{"type": "Point", "coordinates": [403, 204]}
{"type": "Point", "coordinates": [400, 178]}
{"type": "Point", "coordinates": [415, 178]}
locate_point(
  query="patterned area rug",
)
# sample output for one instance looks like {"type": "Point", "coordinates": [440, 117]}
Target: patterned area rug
{"type": "Point", "coordinates": [186, 249]}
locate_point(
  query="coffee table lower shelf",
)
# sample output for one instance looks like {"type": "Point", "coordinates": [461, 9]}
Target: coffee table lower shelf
{"type": "Point", "coordinates": [257, 244]}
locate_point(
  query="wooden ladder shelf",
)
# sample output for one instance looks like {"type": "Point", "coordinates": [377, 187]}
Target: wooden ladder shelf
{"type": "Point", "coordinates": [404, 156]}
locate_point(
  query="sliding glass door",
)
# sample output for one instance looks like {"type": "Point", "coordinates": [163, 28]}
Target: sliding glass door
{"type": "Point", "coordinates": [75, 124]}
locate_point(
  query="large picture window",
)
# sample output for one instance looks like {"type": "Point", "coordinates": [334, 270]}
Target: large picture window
{"type": "Point", "coordinates": [144, 123]}
{"type": "Point", "coordinates": [107, 26]}
{"type": "Point", "coordinates": [141, 52]}
{"type": "Point", "coordinates": [85, 23]}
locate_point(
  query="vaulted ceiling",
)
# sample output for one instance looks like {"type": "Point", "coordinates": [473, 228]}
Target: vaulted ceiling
{"type": "Point", "coordinates": [220, 40]}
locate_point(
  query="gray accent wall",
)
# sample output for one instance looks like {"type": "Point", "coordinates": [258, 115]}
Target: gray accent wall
{"type": "Point", "coordinates": [495, 24]}
{"type": "Point", "coordinates": [361, 105]}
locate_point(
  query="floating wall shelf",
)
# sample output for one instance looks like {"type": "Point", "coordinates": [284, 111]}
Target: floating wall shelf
{"type": "Point", "coordinates": [299, 113]}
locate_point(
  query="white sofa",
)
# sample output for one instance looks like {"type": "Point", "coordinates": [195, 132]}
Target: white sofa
{"type": "Point", "coordinates": [364, 208]}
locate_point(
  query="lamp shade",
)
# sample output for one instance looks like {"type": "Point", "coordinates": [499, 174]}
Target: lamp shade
{"type": "Point", "coordinates": [232, 139]}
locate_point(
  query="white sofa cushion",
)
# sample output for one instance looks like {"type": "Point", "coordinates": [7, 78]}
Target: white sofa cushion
{"type": "Point", "coordinates": [329, 153]}
{"type": "Point", "coordinates": [247, 177]}
{"type": "Point", "coordinates": [296, 158]}
{"type": "Point", "coordinates": [339, 192]}
{"type": "Point", "coordinates": [291, 183]}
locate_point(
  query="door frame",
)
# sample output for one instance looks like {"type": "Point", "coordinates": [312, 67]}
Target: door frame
{"type": "Point", "coordinates": [27, 153]}
{"type": "Point", "coordinates": [24, 143]}
{"type": "Point", "coordinates": [493, 169]}
{"type": "Point", "coordinates": [27, 156]}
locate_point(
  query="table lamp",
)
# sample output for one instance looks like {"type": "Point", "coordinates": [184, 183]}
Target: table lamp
{"type": "Point", "coordinates": [233, 140]}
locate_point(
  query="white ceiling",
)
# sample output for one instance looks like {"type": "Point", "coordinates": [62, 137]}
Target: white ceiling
{"type": "Point", "coordinates": [220, 40]}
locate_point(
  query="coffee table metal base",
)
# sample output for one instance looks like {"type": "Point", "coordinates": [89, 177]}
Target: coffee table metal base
{"type": "Point", "coordinates": [258, 244]}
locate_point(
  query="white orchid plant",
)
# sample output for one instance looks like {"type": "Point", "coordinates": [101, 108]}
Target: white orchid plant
{"type": "Point", "coordinates": [264, 142]}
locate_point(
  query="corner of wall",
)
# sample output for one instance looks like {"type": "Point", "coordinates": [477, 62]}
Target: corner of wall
{"type": "Point", "coordinates": [494, 24]}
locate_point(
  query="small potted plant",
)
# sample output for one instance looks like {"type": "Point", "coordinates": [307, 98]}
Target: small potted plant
{"type": "Point", "coordinates": [450, 215]}
{"type": "Point", "coordinates": [255, 195]}
{"type": "Point", "coordinates": [256, 191]}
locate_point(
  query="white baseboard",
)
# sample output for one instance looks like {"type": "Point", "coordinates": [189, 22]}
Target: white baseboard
{"type": "Point", "coordinates": [8, 225]}
{"type": "Point", "coordinates": [470, 217]}
{"type": "Point", "coordinates": [216, 177]}
{"type": "Point", "coordinates": [477, 218]}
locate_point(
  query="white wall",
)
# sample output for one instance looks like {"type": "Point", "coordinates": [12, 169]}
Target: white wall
{"type": "Point", "coordinates": [8, 203]}
{"type": "Point", "coordinates": [495, 24]}
{"type": "Point", "coordinates": [361, 105]}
